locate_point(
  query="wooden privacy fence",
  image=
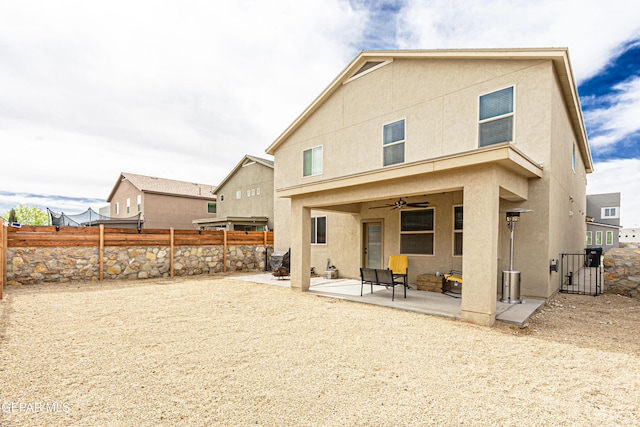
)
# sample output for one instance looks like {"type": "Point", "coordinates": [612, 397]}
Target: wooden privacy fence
{"type": "Point", "coordinates": [94, 237]}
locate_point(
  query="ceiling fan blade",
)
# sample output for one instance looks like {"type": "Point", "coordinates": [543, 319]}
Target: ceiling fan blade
{"type": "Point", "coordinates": [380, 207]}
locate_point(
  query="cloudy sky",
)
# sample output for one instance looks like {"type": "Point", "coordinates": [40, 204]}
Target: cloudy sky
{"type": "Point", "coordinates": [184, 89]}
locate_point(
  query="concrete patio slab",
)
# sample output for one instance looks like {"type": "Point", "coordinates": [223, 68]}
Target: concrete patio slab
{"type": "Point", "coordinates": [430, 303]}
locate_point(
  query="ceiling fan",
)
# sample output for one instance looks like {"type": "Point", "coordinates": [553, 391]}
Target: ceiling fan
{"type": "Point", "coordinates": [401, 203]}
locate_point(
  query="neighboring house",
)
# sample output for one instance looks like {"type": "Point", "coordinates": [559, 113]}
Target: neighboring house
{"type": "Point", "coordinates": [603, 221]}
{"type": "Point", "coordinates": [475, 133]}
{"type": "Point", "coordinates": [244, 198]}
{"type": "Point", "coordinates": [160, 202]}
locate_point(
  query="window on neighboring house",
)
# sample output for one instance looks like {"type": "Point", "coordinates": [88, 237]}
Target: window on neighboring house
{"type": "Point", "coordinates": [599, 238]}
{"type": "Point", "coordinates": [416, 231]}
{"type": "Point", "coordinates": [457, 230]}
{"type": "Point", "coordinates": [319, 230]}
{"type": "Point", "coordinates": [211, 207]}
{"type": "Point", "coordinates": [393, 136]}
{"type": "Point", "coordinates": [248, 193]}
{"type": "Point", "coordinates": [238, 194]}
{"type": "Point", "coordinates": [117, 208]}
{"type": "Point", "coordinates": [139, 202]}
{"type": "Point", "coordinates": [312, 161]}
{"type": "Point", "coordinates": [128, 206]}
{"type": "Point", "coordinates": [253, 192]}
{"type": "Point", "coordinates": [573, 157]}
{"type": "Point", "coordinates": [609, 238]}
{"type": "Point", "coordinates": [222, 197]}
{"type": "Point", "coordinates": [609, 212]}
{"type": "Point", "coordinates": [258, 191]}
{"type": "Point", "coordinates": [496, 117]}
{"type": "Point", "coordinates": [589, 238]}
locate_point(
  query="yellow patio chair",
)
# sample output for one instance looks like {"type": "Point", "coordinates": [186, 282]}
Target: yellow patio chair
{"type": "Point", "coordinates": [399, 265]}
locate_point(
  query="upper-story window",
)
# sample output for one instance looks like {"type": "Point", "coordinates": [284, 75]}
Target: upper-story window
{"type": "Point", "coordinates": [238, 194]}
{"type": "Point", "coordinates": [139, 202]}
{"type": "Point", "coordinates": [211, 207]}
{"type": "Point", "coordinates": [573, 157]}
{"type": "Point", "coordinates": [609, 212]}
{"type": "Point", "coordinates": [393, 143]}
{"type": "Point", "coordinates": [128, 205]}
{"type": "Point", "coordinates": [496, 117]}
{"type": "Point", "coordinates": [117, 208]}
{"type": "Point", "coordinates": [312, 161]}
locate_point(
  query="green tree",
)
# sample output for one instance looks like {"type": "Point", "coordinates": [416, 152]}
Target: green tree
{"type": "Point", "coordinates": [27, 215]}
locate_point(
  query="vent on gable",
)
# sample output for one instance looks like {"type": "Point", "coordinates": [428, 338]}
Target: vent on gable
{"type": "Point", "coordinates": [367, 66]}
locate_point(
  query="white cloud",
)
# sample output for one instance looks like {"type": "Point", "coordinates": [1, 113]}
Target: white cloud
{"type": "Point", "coordinates": [619, 120]}
{"type": "Point", "coordinates": [591, 29]}
{"type": "Point", "coordinates": [619, 176]}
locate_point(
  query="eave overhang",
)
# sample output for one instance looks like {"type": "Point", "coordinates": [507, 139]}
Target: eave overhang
{"type": "Point", "coordinates": [505, 155]}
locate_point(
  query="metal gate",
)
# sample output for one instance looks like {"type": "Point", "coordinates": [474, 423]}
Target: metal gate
{"type": "Point", "coordinates": [581, 273]}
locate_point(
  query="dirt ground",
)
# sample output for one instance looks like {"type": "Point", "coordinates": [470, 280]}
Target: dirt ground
{"type": "Point", "coordinates": [206, 351]}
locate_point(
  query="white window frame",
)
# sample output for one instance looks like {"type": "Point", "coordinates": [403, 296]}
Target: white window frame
{"type": "Point", "coordinates": [248, 193]}
{"type": "Point", "coordinates": [457, 231]}
{"type": "Point", "coordinates": [598, 238]}
{"type": "Point", "coordinates": [117, 208]}
{"type": "Point", "coordinates": [589, 238]}
{"type": "Point", "coordinates": [395, 143]}
{"type": "Point", "coordinates": [605, 212]}
{"type": "Point", "coordinates": [139, 202]}
{"type": "Point", "coordinates": [432, 232]}
{"type": "Point", "coordinates": [609, 238]}
{"type": "Point", "coordinates": [128, 205]}
{"type": "Point", "coordinates": [258, 191]}
{"type": "Point", "coordinates": [511, 114]}
{"type": "Point", "coordinates": [315, 170]}
{"type": "Point", "coordinates": [314, 230]}
{"type": "Point", "coordinates": [238, 194]}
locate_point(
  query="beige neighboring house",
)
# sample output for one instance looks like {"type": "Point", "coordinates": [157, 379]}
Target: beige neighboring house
{"type": "Point", "coordinates": [475, 133]}
{"type": "Point", "coordinates": [244, 198]}
{"type": "Point", "coordinates": [161, 202]}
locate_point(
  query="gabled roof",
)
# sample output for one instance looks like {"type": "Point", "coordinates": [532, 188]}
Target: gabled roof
{"type": "Point", "coordinates": [150, 184]}
{"type": "Point", "coordinates": [368, 61]}
{"type": "Point", "coordinates": [246, 160]}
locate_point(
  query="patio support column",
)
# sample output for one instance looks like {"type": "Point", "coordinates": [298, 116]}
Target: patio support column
{"type": "Point", "coordinates": [479, 265]}
{"type": "Point", "coordinates": [300, 246]}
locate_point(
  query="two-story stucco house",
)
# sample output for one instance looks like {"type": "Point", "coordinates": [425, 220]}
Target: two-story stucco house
{"type": "Point", "coordinates": [424, 150]}
{"type": "Point", "coordinates": [161, 202]}
{"type": "Point", "coordinates": [244, 198]}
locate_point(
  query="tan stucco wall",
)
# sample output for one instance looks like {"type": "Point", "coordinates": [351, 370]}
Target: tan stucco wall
{"type": "Point", "coordinates": [441, 114]}
{"type": "Point", "coordinates": [251, 178]}
{"type": "Point", "coordinates": [164, 211]}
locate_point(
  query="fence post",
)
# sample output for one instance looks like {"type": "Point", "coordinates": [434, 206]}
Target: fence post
{"type": "Point", "coordinates": [171, 262]}
{"type": "Point", "coordinates": [224, 252]}
{"type": "Point", "coordinates": [101, 252]}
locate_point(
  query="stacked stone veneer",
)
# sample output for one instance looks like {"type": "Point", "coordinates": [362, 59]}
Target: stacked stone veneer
{"type": "Point", "coordinates": [622, 271]}
{"type": "Point", "coordinates": [45, 265]}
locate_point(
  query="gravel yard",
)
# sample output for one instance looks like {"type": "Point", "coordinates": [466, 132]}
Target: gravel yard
{"type": "Point", "coordinates": [205, 351]}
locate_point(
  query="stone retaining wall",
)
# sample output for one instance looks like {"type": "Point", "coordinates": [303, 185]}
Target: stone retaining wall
{"type": "Point", "coordinates": [622, 271]}
{"type": "Point", "coordinates": [46, 265]}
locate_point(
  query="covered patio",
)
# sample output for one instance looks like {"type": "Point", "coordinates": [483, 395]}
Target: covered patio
{"type": "Point", "coordinates": [425, 302]}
